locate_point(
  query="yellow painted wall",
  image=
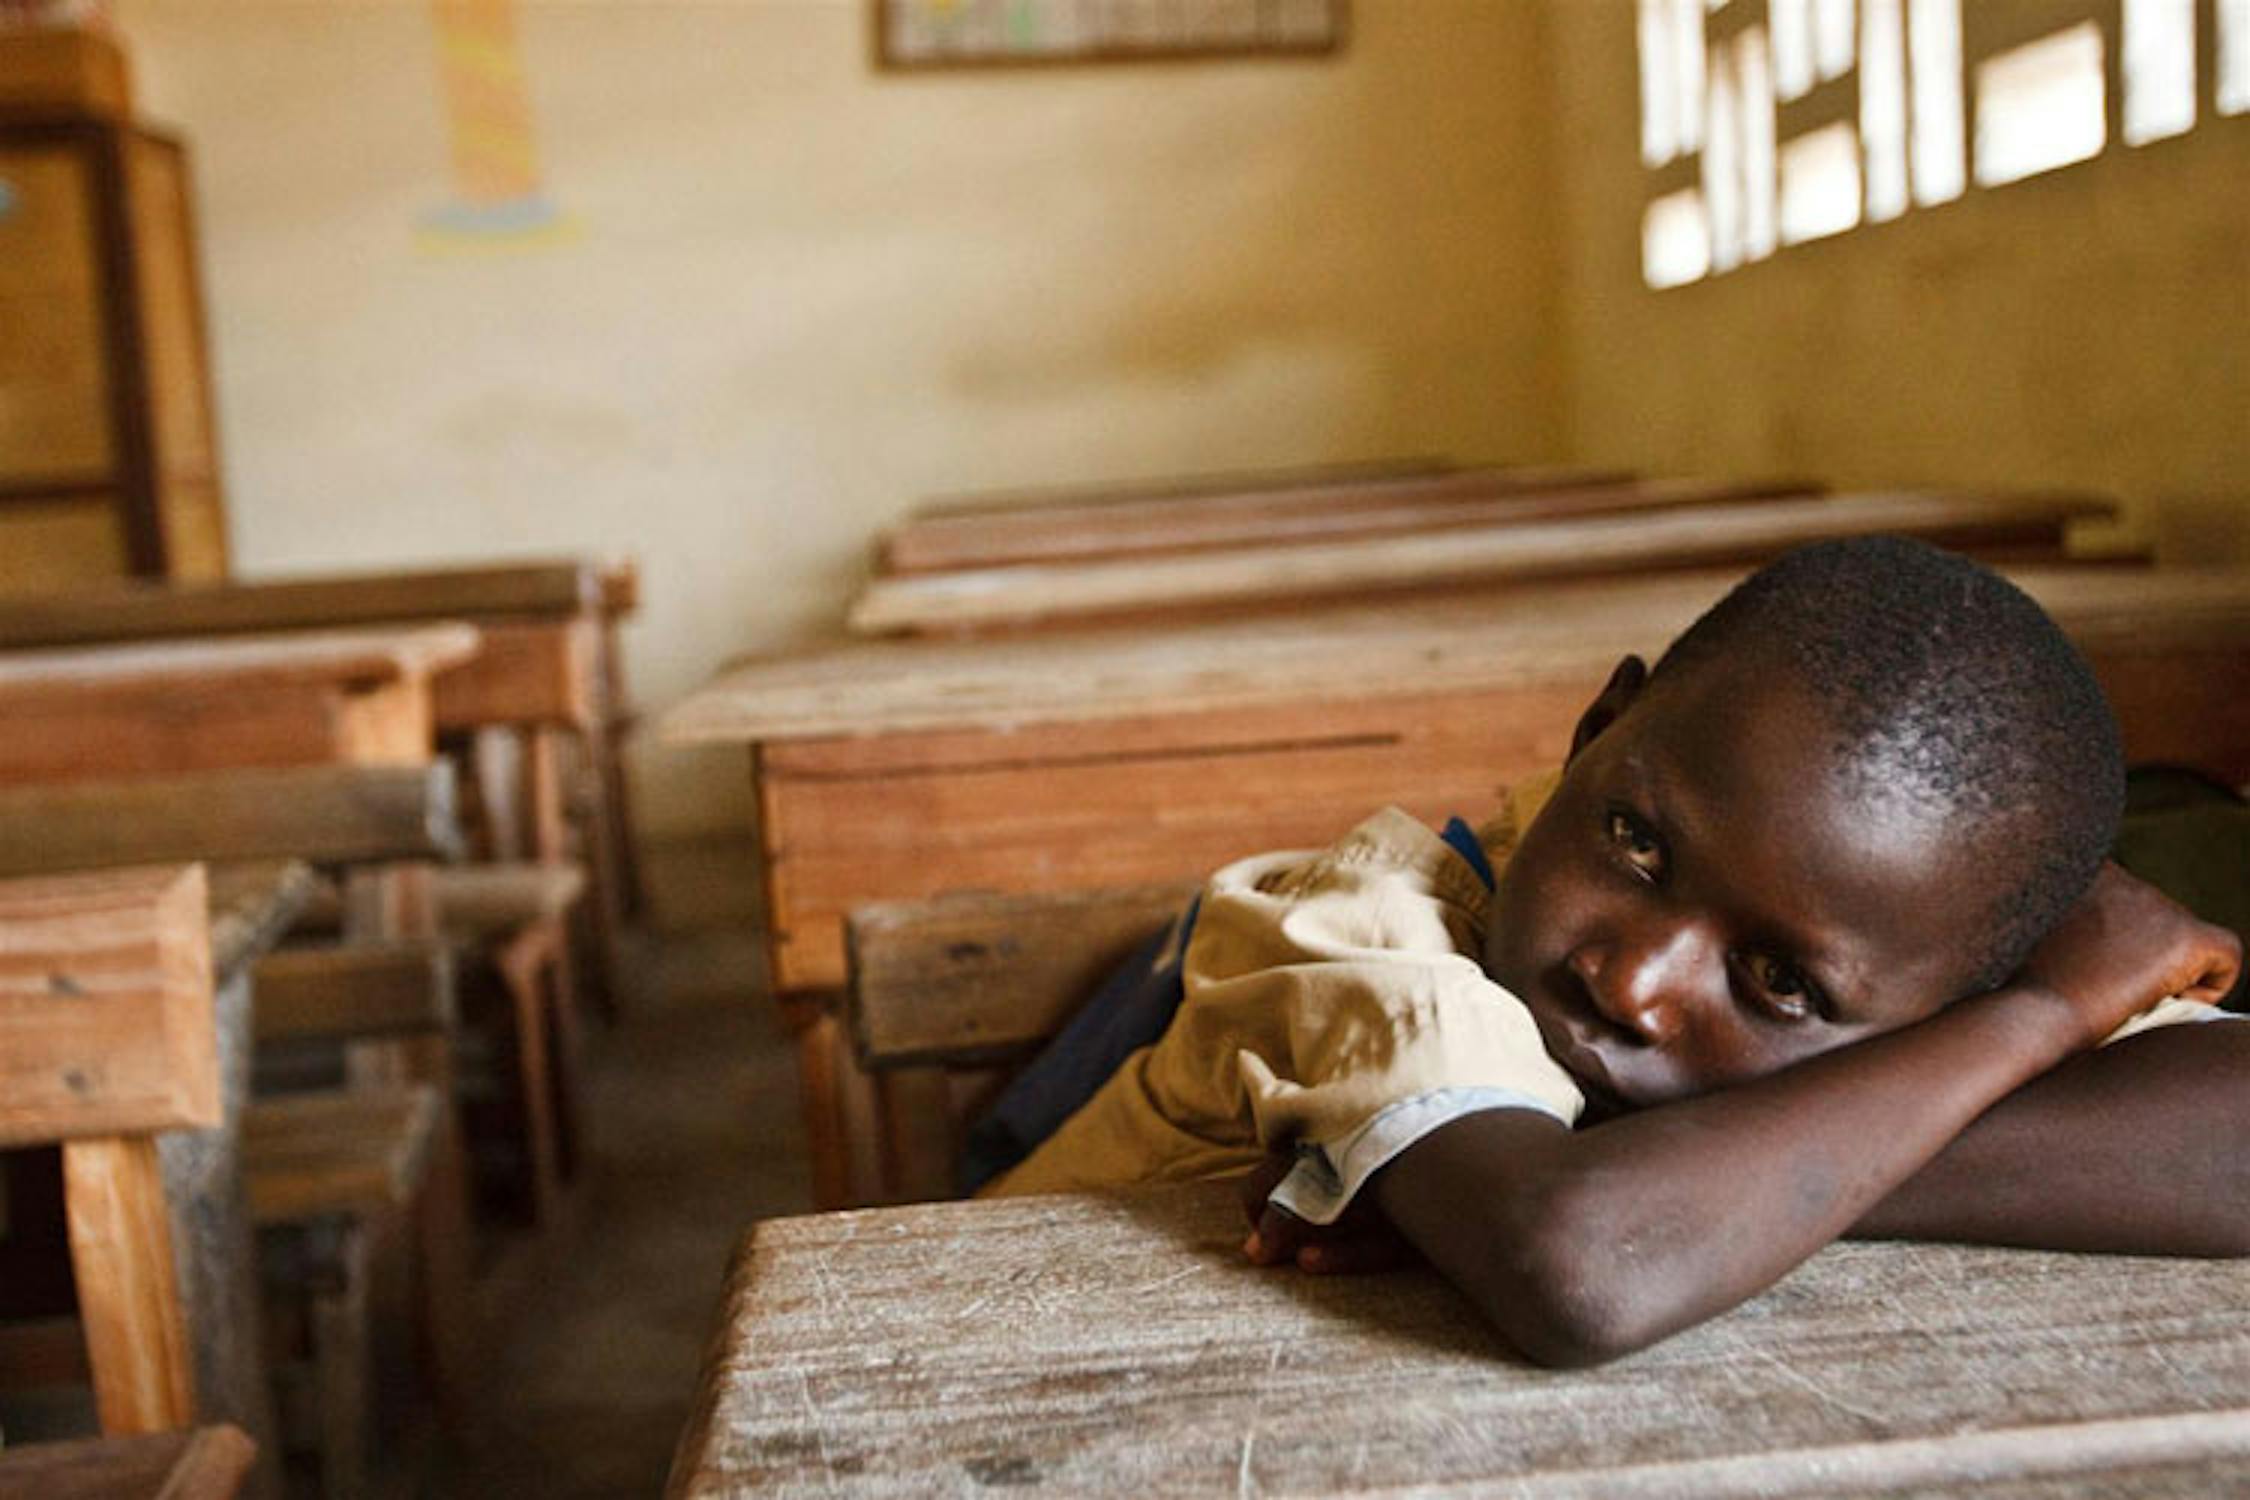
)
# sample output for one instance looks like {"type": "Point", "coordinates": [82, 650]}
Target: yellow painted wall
{"type": "Point", "coordinates": [2088, 327]}
{"type": "Point", "coordinates": [803, 295]}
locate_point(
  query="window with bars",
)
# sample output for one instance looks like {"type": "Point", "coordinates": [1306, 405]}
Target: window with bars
{"type": "Point", "coordinates": [1768, 123]}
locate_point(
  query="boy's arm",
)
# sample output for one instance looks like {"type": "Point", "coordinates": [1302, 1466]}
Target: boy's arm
{"type": "Point", "coordinates": [1583, 1246]}
{"type": "Point", "coordinates": [2142, 1147]}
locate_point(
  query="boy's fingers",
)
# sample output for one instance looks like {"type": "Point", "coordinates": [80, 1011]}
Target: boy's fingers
{"type": "Point", "coordinates": [1278, 1237]}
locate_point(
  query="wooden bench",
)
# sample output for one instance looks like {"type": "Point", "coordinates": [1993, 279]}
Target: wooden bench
{"type": "Point", "coordinates": [340, 1182]}
{"type": "Point", "coordinates": [945, 997]}
{"type": "Point", "coordinates": [208, 1463]}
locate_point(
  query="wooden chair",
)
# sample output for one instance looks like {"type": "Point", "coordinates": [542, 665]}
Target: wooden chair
{"type": "Point", "coordinates": [947, 997]}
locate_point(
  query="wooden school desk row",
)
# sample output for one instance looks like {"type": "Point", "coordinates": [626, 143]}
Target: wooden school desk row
{"type": "Point", "coordinates": [150, 724]}
{"type": "Point", "coordinates": [1150, 748]}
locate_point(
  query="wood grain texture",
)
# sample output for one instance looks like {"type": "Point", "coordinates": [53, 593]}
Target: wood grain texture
{"type": "Point", "coordinates": [1555, 632]}
{"type": "Point", "coordinates": [324, 814]}
{"type": "Point", "coordinates": [1122, 1346]}
{"type": "Point", "coordinates": [968, 978]}
{"type": "Point", "coordinates": [1684, 536]}
{"type": "Point", "coordinates": [1251, 516]}
{"type": "Point", "coordinates": [129, 1298]}
{"type": "Point", "coordinates": [208, 1463]}
{"type": "Point", "coordinates": [105, 1005]}
{"type": "Point", "coordinates": [140, 612]}
{"type": "Point", "coordinates": [1050, 810]}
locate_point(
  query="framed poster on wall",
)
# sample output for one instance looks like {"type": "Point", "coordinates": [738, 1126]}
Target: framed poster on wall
{"type": "Point", "coordinates": [911, 34]}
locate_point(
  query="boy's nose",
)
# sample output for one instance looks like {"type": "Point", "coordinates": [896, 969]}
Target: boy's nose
{"type": "Point", "coordinates": [1647, 986]}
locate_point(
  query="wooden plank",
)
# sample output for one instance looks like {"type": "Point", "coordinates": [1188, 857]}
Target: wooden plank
{"type": "Point", "coordinates": [343, 1151]}
{"type": "Point", "coordinates": [1282, 517]}
{"type": "Point", "coordinates": [528, 672]}
{"type": "Point", "coordinates": [140, 612]}
{"type": "Point", "coordinates": [1145, 815]}
{"type": "Point", "coordinates": [252, 905]}
{"type": "Point", "coordinates": [970, 978]}
{"type": "Point", "coordinates": [364, 990]}
{"type": "Point", "coordinates": [1556, 632]}
{"type": "Point", "coordinates": [44, 69]}
{"type": "Point", "coordinates": [94, 712]}
{"type": "Point", "coordinates": [1188, 488]}
{"type": "Point", "coordinates": [54, 424]}
{"type": "Point", "coordinates": [1488, 556]}
{"type": "Point", "coordinates": [251, 664]}
{"type": "Point", "coordinates": [325, 814]}
{"type": "Point", "coordinates": [1113, 1345]}
{"type": "Point", "coordinates": [128, 1289]}
{"type": "Point", "coordinates": [105, 1004]}
{"type": "Point", "coordinates": [208, 1463]}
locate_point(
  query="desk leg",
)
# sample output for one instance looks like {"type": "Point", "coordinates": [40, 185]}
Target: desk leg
{"type": "Point", "coordinates": [128, 1287]}
{"type": "Point", "coordinates": [215, 1250]}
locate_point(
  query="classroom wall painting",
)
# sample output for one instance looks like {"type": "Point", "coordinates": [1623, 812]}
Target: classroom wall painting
{"type": "Point", "coordinates": [912, 34]}
{"type": "Point", "coordinates": [498, 200]}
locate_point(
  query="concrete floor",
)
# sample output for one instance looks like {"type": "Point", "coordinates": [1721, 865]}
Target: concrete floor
{"type": "Point", "coordinates": [693, 1096]}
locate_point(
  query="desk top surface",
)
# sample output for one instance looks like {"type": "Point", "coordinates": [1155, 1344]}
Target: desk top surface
{"type": "Point", "coordinates": [127, 611]}
{"type": "Point", "coordinates": [1088, 1344]}
{"type": "Point", "coordinates": [1554, 634]}
{"type": "Point", "coordinates": [342, 657]}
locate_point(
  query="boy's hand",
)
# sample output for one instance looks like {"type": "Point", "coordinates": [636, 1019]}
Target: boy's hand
{"type": "Point", "coordinates": [1361, 1240]}
{"type": "Point", "coordinates": [2125, 946]}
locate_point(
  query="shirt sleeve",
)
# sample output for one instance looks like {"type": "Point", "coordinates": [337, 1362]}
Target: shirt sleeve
{"type": "Point", "coordinates": [2176, 1010]}
{"type": "Point", "coordinates": [1345, 999]}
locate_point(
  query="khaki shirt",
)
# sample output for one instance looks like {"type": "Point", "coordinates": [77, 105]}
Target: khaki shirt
{"type": "Point", "coordinates": [1335, 1000]}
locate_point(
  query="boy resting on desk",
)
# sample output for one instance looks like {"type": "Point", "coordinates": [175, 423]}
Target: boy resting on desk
{"type": "Point", "coordinates": [1813, 936]}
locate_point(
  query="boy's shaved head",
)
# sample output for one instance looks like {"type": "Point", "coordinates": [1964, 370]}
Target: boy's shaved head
{"type": "Point", "coordinates": [1949, 692]}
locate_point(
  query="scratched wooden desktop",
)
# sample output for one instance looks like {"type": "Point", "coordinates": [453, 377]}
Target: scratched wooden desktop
{"type": "Point", "coordinates": [1121, 1345]}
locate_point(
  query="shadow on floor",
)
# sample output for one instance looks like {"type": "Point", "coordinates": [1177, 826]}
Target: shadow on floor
{"type": "Point", "coordinates": [696, 1133]}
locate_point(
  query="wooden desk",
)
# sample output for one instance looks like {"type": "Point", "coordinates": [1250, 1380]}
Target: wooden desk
{"type": "Point", "coordinates": [549, 669]}
{"type": "Point", "coordinates": [889, 771]}
{"type": "Point", "coordinates": [1082, 1345]}
{"type": "Point", "coordinates": [129, 1026]}
{"type": "Point", "coordinates": [101, 712]}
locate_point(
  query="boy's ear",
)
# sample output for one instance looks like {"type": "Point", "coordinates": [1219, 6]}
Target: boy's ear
{"type": "Point", "coordinates": [1616, 696]}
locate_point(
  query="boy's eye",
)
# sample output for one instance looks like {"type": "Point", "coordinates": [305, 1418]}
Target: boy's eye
{"type": "Point", "coordinates": [1637, 842]}
{"type": "Point", "coordinates": [1783, 986]}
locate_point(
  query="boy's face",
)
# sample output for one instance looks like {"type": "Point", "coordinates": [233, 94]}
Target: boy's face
{"type": "Point", "coordinates": [1703, 902]}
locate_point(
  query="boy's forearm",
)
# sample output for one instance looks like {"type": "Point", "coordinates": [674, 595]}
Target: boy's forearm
{"type": "Point", "coordinates": [1589, 1244]}
{"type": "Point", "coordinates": [2136, 1148]}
